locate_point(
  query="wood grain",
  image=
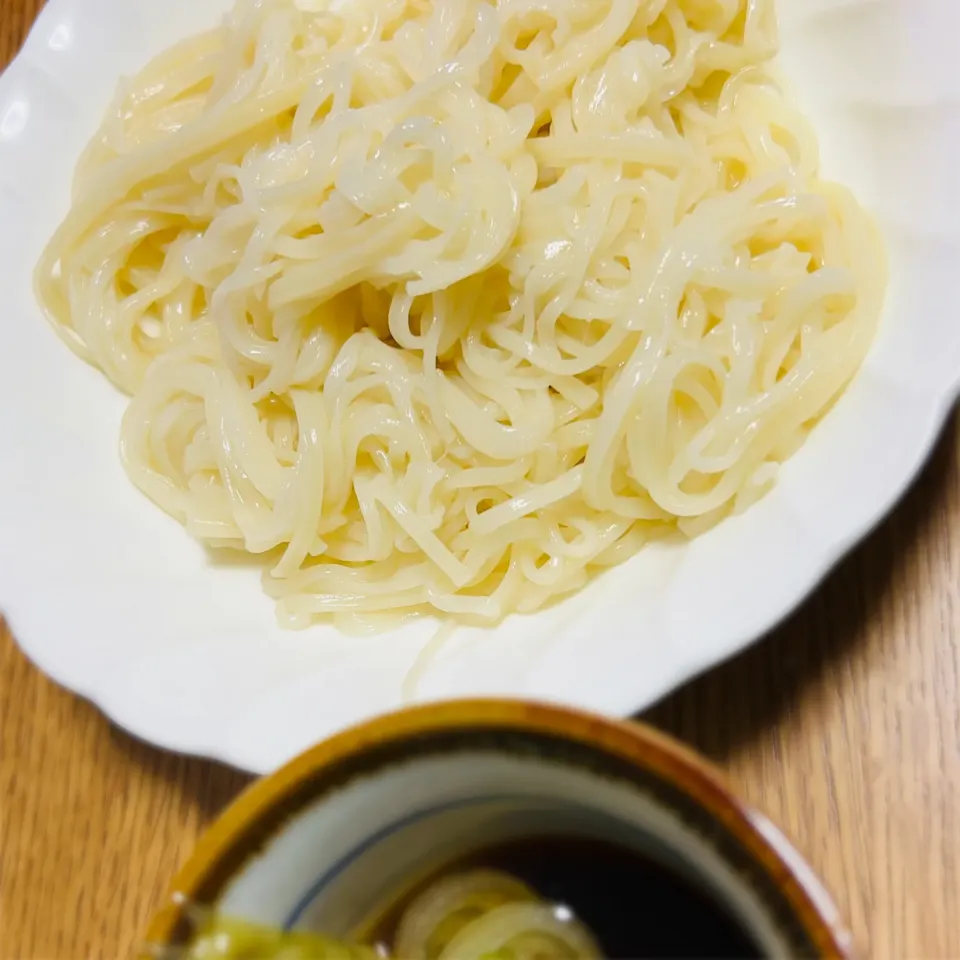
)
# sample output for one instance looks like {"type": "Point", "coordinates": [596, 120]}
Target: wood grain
{"type": "Point", "coordinates": [843, 725]}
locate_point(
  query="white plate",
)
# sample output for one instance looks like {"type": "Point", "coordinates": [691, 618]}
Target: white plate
{"type": "Point", "coordinates": [112, 599]}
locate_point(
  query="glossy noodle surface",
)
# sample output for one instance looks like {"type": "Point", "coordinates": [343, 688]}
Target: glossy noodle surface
{"type": "Point", "coordinates": [443, 306]}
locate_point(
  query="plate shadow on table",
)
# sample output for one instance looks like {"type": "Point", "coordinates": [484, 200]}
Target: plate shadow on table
{"type": "Point", "coordinates": [725, 709]}
{"type": "Point", "coordinates": [722, 711]}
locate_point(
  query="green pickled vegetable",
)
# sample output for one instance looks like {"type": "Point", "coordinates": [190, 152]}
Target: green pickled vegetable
{"type": "Point", "coordinates": [227, 938]}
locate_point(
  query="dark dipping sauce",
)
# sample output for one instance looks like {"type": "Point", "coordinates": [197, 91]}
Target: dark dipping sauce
{"type": "Point", "coordinates": [634, 906]}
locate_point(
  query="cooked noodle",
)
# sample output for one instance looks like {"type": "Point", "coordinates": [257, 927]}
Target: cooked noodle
{"type": "Point", "coordinates": [444, 306]}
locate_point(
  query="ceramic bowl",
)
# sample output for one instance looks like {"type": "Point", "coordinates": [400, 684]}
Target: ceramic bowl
{"type": "Point", "coordinates": [334, 837]}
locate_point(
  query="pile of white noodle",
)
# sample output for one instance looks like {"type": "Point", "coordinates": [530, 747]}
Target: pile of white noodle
{"type": "Point", "coordinates": [446, 305]}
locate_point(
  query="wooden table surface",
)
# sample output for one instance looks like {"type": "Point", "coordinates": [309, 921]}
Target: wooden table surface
{"type": "Point", "coordinates": [843, 726]}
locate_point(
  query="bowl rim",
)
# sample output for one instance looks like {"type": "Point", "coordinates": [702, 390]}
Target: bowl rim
{"type": "Point", "coordinates": [255, 813]}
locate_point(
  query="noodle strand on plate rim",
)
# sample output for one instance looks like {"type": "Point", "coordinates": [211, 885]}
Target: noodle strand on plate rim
{"type": "Point", "coordinates": [443, 306]}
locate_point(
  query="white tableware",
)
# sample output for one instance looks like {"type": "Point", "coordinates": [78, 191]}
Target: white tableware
{"type": "Point", "coordinates": [113, 599]}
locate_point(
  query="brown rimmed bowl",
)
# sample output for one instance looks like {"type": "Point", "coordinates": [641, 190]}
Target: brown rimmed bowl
{"type": "Point", "coordinates": [338, 833]}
